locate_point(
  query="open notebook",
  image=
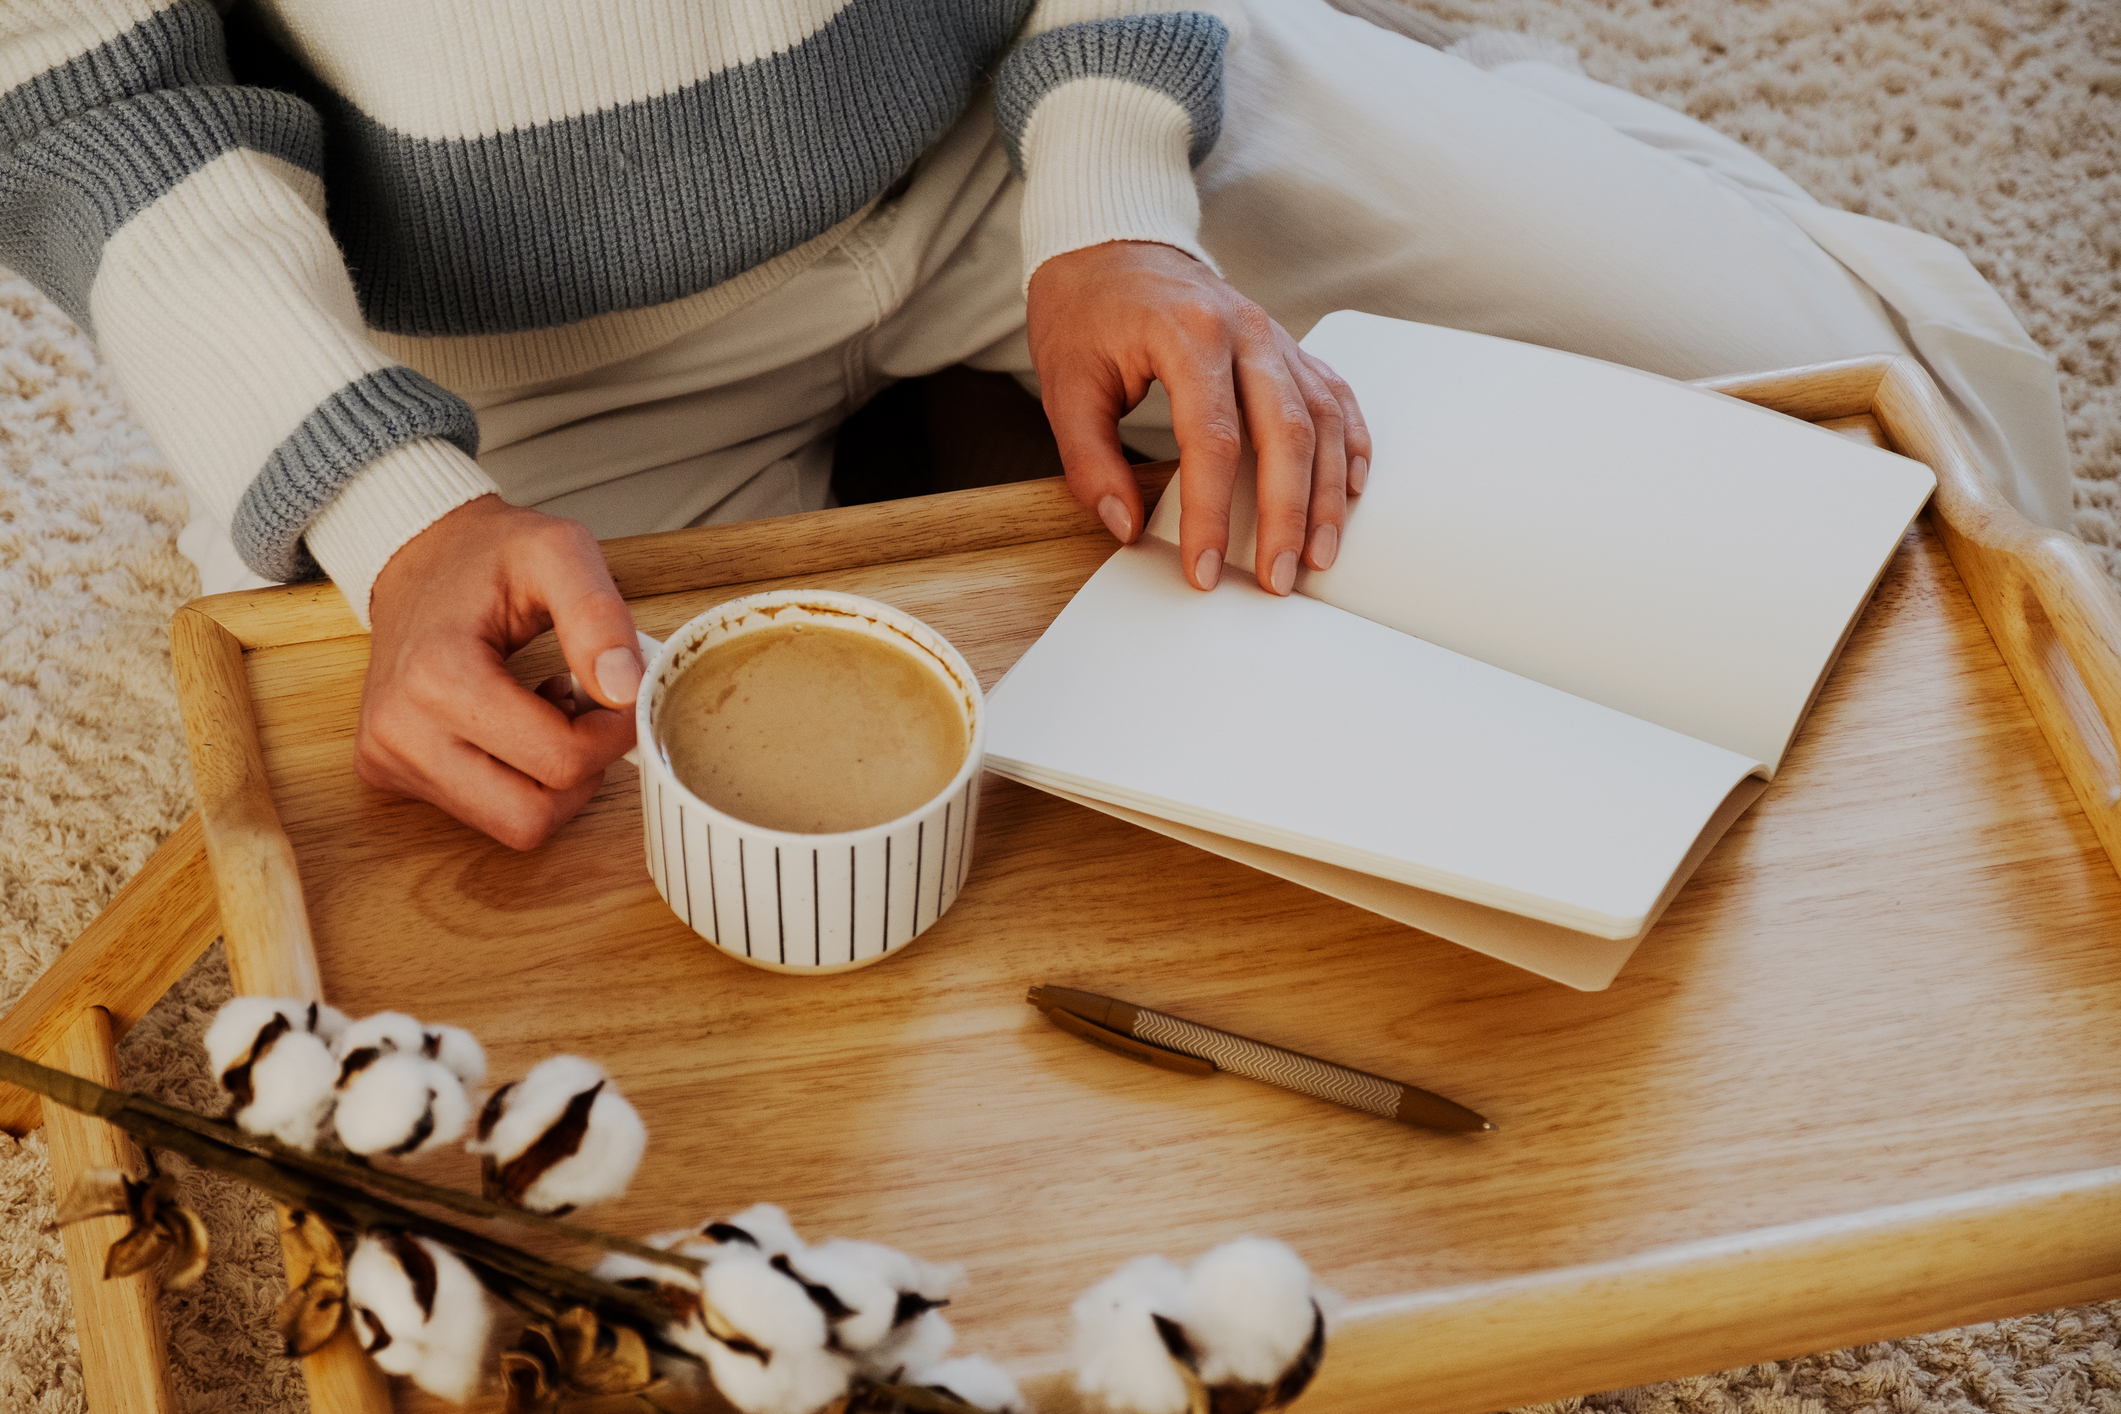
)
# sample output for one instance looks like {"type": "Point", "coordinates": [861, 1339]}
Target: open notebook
{"type": "Point", "coordinates": [1574, 624]}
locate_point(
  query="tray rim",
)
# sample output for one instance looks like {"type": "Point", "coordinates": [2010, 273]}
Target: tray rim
{"type": "Point", "coordinates": [1765, 1294]}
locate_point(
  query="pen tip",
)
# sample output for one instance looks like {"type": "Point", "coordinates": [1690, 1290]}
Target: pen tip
{"type": "Point", "coordinates": [1485, 1125]}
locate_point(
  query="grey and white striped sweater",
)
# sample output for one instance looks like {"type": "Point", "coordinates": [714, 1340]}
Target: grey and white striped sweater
{"type": "Point", "coordinates": [521, 189]}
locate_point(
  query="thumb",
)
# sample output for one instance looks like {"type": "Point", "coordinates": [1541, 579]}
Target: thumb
{"type": "Point", "coordinates": [592, 622]}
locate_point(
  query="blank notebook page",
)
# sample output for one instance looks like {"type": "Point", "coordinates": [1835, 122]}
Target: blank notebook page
{"type": "Point", "coordinates": [1674, 554]}
{"type": "Point", "coordinates": [1293, 724]}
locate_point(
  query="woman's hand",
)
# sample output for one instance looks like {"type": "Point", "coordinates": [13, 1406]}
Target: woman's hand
{"type": "Point", "coordinates": [1108, 320]}
{"type": "Point", "coordinates": [441, 716]}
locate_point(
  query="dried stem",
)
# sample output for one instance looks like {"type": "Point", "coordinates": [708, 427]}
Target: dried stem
{"type": "Point", "coordinates": [338, 1192]}
{"type": "Point", "coordinates": [404, 1186]}
{"type": "Point", "coordinates": [333, 1197]}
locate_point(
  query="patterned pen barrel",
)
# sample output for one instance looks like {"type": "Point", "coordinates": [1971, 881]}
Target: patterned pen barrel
{"type": "Point", "coordinates": [1147, 1035]}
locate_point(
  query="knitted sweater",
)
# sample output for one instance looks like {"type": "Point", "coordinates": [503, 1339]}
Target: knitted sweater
{"type": "Point", "coordinates": [520, 190]}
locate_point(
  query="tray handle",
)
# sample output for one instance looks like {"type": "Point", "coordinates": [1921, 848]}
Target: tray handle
{"type": "Point", "coordinates": [2047, 602]}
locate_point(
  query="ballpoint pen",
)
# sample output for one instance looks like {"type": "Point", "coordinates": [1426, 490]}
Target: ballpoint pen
{"type": "Point", "coordinates": [1189, 1048]}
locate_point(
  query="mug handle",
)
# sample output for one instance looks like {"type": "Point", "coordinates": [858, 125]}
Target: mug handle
{"type": "Point", "coordinates": [583, 701]}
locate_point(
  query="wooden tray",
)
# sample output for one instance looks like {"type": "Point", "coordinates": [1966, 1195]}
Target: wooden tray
{"type": "Point", "coordinates": [1859, 1083]}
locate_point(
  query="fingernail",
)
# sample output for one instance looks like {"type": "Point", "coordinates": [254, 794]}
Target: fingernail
{"type": "Point", "coordinates": [1113, 512]}
{"type": "Point", "coordinates": [1325, 544]}
{"type": "Point", "coordinates": [1358, 474]}
{"type": "Point", "coordinates": [1208, 568]}
{"type": "Point", "coordinates": [1284, 576]}
{"type": "Point", "coordinates": [619, 674]}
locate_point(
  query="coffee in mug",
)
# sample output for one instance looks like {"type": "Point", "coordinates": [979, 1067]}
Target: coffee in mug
{"type": "Point", "coordinates": [809, 803]}
{"type": "Point", "coordinates": [811, 729]}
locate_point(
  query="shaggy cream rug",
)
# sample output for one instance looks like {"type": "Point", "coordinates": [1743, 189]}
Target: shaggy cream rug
{"type": "Point", "coordinates": [1993, 123]}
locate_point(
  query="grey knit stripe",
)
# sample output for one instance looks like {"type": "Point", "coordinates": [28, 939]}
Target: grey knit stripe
{"type": "Point", "coordinates": [349, 429]}
{"type": "Point", "coordinates": [1179, 54]}
{"type": "Point", "coordinates": [88, 145]}
{"type": "Point", "coordinates": [652, 201]}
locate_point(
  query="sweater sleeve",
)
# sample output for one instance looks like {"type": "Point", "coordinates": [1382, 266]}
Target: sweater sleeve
{"type": "Point", "coordinates": [1105, 107]}
{"type": "Point", "coordinates": [179, 217]}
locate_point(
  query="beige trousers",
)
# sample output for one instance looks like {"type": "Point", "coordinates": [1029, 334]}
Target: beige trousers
{"type": "Point", "coordinates": [1356, 169]}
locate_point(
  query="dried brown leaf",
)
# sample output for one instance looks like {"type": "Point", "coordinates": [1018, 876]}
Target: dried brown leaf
{"type": "Point", "coordinates": [98, 1193]}
{"type": "Point", "coordinates": [312, 1311]}
{"type": "Point", "coordinates": [139, 1250]}
{"type": "Point", "coordinates": [160, 1226]}
{"type": "Point", "coordinates": [574, 1357]}
{"type": "Point", "coordinates": [529, 1381]}
{"type": "Point", "coordinates": [187, 1238]}
{"type": "Point", "coordinates": [598, 1358]}
{"type": "Point", "coordinates": [316, 1239]}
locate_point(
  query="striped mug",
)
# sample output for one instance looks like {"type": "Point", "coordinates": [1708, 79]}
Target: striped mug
{"type": "Point", "coordinates": [798, 902]}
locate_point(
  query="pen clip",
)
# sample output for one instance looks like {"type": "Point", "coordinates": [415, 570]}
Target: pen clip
{"type": "Point", "coordinates": [1127, 1046]}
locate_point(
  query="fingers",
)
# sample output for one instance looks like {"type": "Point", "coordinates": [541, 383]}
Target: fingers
{"type": "Point", "coordinates": [1107, 320]}
{"type": "Point", "coordinates": [482, 792]}
{"type": "Point", "coordinates": [459, 732]}
{"type": "Point", "coordinates": [1084, 408]}
{"type": "Point", "coordinates": [566, 574]}
{"type": "Point", "coordinates": [1206, 421]}
{"type": "Point", "coordinates": [1329, 399]}
{"type": "Point", "coordinates": [1355, 432]}
{"type": "Point", "coordinates": [1296, 428]}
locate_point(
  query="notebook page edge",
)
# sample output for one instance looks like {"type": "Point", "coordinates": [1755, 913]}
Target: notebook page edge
{"type": "Point", "coordinates": [1799, 680]}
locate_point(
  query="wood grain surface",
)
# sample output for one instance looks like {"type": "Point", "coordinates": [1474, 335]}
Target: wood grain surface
{"type": "Point", "coordinates": [264, 917]}
{"type": "Point", "coordinates": [1895, 980]}
{"type": "Point", "coordinates": [1878, 1022]}
{"type": "Point", "coordinates": [123, 1367]}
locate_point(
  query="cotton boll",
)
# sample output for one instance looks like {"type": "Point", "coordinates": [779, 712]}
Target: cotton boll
{"type": "Point", "coordinates": [609, 1155]}
{"type": "Point", "coordinates": [763, 1226]}
{"type": "Point", "coordinates": [934, 1283]}
{"type": "Point", "coordinates": [386, 1031]}
{"type": "Point", "coordinates": [456, 1337]}
{"type": "Point", "coordinates": [419, 1311]}
{"type": "Point", "coordinates": [560, 1138]}
{"type": "Point", "coordinates": [400, 1104]}
{"type": "Point", "coordinates": [772, 1357]}
{"type": "Point", "coordinates": [519, 1113]}
{"type": "Point", "coordinates": [388, 1315]}
{"type": "Point", "coordinates": [326, 1022]}
{"type": "Point", "coordinates": [458, 1049]}
{"type": "Point", "coordinates": [920, 1342]}
{"type": "Point", "coordinates": [1119, 1357]}
{"type": "Point", "coordinates": [881, 1288]}
{"type": "Point", "coordinates": [793, 1384]}
{"type": "Point", "coordinates": [624, 1266]}
{"type": "Point", "coordinates": [975, 1380]}
{"type": "Point", "coordinates": [286, 1088]}
{"type": "Point", "coordinates": [853, 1280]}
{"type": "Point", "coordinates": [1248, 1311]}
{"type": "Point", "coordinates": [236, 1026]}
{"type": "Point", "coordinates": [676, 1288]}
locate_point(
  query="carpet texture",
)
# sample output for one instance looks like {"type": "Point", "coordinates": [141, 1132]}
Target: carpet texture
{"type": "Point", "coordinates": [1993, 123]}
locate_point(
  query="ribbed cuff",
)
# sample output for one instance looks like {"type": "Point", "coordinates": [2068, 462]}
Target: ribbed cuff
{"type": "Point", "coordinates": [391, 500]}
{"type": "Point", "coordinates": [1105, 160]}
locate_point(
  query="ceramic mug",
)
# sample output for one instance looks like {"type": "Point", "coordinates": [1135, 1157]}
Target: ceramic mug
{"type": "Point", "coordinates": [794, 902]}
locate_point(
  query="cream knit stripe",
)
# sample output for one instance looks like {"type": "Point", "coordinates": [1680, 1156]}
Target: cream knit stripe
{"type": "Point", "coordinates": [395, 497]}
{"type": "Point", "coordinates": [227, 312]}
{"type": "Point", "coordinates": [36, 35]}
{"type": "Point", "coordinates": [518, 63]}
{"type": "Point", "coordinates": [1105, 160]}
